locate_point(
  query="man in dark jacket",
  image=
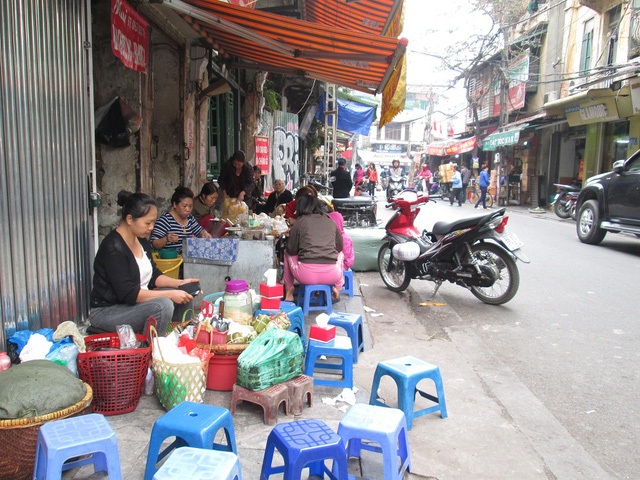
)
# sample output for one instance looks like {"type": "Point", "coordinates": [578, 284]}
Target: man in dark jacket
{"type": "Point", "coordinates": [466, 177]}
{"type": "Point", "coordinates": [341, 180]}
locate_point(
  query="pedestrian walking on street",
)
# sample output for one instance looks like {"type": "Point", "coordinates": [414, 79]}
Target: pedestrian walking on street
{"type": "Point", "coordinates": [466, 176]}
{"type": "Point", "coordinates": [483, 183]}
{"type": "Point", "coordinates": [341, 180]}
{"type": "Point", "coordinates": [372, 175]}
{"type": "Point", "coordinates": [456, 186]}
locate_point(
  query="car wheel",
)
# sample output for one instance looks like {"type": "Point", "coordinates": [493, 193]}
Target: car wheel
{"type": "Point", "coordinates": [588, 225]}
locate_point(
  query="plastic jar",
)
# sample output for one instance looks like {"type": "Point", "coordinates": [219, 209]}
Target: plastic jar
{"type": "Point", "coordinates": [237, 302]}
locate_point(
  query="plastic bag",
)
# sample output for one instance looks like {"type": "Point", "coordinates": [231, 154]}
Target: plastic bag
{"type": "Point", "coordinates": [127, 337]}
{"type": "Point", "coordinates": [66, 355]}
{"type": "Point", "coordinates": [234, 211]}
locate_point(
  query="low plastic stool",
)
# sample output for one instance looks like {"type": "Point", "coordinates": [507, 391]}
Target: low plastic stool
{"type": "Point", "coordinates": [308, 303]}
{"type": "Point", "coordinates": [193, 425]}
{"type": "Point", "coordinates": [407, 372]}
{"type": "Point", "coordinates": [300, 389]}
{"type": "Point", "coordinates": [200, 464]}
{"type": "Point", "coordinates": [296, 317]}
{"type": "Point", "coordinates": [302, 444]}
{"type": "Point", "coordinates": [352, 324]}
{"type": "Point", "coordinates": [387, 427]}
{"type": "Point", "coordinates": [339, 347]}
{"type": "Point", "coordinates": [269, 399]}
{"type": "Point", "coordinates": [348, 283]}
{"type": "Point", "coordinates": [60, 440]}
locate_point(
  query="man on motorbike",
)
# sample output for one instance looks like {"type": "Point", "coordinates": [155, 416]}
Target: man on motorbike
{"type": "Point", "coordinates": [396, 179]}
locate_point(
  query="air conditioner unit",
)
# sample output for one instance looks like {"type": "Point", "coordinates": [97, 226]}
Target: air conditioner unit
{"type": "Point", "coordinates": [550, 97]}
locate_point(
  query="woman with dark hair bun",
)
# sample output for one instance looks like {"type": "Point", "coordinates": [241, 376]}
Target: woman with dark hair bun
{"type": "Point", "coordinates": [127, 286]}
{"type": "Point", "coordinates": [177, 223]}
{"type": "Point", "coordinates": [313, 253]}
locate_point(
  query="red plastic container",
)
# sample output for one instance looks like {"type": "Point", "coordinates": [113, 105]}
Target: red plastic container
{"type": "Point", "coordinates": [270, 303]}
{"type": "Point", "coordinates": [323, 334]}
{"type": "Point", "coordinates": [274, 291]}
{"type": "Point", "coordinates": [223, 371]}
{"type": "Point", "coordinates": [116, 376]}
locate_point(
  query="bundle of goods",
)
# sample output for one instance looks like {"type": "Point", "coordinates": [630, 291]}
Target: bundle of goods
{"type": "Point", "coordinates": [31, 394]}
{"type": "Point", "coordinates": [234, 211]}
{"type": "Point", "coordinates": [446, 172]}
{"type": "Point", "coordinates": [180, 368]}
{"type": "Point", "coordinates": [115, 365]}
{"type": "Point", "coordinates": [275, 356]}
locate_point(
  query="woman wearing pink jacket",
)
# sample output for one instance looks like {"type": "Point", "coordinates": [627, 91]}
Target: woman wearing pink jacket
{"type": "Point", "coordinates": [347, 243]}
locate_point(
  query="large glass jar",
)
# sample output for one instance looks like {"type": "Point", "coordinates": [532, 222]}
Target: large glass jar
{"type": "Point", "coordinates": [237, 302]}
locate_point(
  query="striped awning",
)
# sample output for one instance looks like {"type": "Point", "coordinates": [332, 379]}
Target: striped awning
{"type": "Point", "coordinates": [366, 16]}
{"type": "Point", "coordinates": [279, 44]}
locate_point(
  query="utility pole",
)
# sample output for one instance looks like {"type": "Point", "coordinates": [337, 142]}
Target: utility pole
{"type": "Point", "coordinates": [504, 111]}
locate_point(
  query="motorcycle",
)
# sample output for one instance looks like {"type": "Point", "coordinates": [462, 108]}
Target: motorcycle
{"type": "Point", "coordinates": [357, 211]}
{"type": "Point", "coordinates": [473, 252]}
{"type": "Point", "coordinates": [396, 185]}
{"type": "Point", "coordinates": [564, 203]}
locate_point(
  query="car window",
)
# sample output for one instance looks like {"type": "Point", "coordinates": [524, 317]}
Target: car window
{"type": "Point", "coordinates": [634, 166]}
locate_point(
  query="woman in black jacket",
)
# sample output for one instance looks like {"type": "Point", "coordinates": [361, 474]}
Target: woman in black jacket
{"type": "Point", "coordinates": [127, 286]}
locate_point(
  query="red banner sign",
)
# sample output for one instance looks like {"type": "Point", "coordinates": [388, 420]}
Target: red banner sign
{"type": "Point", "coordinates": [262, 154]}
{"type": "Point", "coordinates": [129, 36]}
{"type": "Point", "coordinates": [463, 146]}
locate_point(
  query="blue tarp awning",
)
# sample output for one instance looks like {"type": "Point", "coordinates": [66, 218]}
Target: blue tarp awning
{"type": "Point", "coordinates": [353, 117]}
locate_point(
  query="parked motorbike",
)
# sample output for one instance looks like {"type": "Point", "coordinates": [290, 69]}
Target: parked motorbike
{"type": "Point", "coordinates": [564, 203]}
{"type": "Point", "coordinates": [396, 185]}
{"type": "Point", "coordinates": [358, 211]}
{"type": "Point", "coordinates": [473, 252]}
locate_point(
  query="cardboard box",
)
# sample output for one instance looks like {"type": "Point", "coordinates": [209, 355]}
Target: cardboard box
{"type": "Point", "coordinates": [323, 334]}
{"type": "Point", "coordinates": [275, 291]}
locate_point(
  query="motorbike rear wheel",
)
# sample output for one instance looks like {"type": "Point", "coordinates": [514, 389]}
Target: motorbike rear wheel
{"type": "Point", "coordinates": [496, 262]}
{"type": "Point", "coordinates": [394, 272]}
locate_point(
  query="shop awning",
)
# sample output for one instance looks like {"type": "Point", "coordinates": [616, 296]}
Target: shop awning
{"type": "Point", "coordinates": [360, 61]}
{"type": "Point", "coordinates": [366, 16]}
{"type": "Point", "coordinates": [593, 106]}
{"type": "Point", "coordinates": [501, 139]}
{"type": "Point", "coordinates": [451, 147]}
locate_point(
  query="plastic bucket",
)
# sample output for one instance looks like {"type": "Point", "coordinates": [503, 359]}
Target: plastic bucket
{"type": "Point", "coordinates": [223, 370]}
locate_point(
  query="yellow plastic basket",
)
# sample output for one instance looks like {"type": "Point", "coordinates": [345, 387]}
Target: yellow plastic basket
{"type": "Point", "coordinates": [170, 267]}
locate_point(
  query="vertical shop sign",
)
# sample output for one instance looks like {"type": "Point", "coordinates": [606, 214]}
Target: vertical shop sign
{"type": "Point", "coordinates": [129, 36]}
{"type": "Point", "coordinates": [262, 154]}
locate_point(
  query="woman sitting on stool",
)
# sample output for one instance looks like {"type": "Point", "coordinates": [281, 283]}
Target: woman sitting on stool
{"type": "Point", "coordinates": [127, 286]}
{"type": "Point", "coordinates": [314, 250]}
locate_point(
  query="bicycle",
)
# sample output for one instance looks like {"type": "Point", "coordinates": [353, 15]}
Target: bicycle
{"type": "Point", "coordinates": [476, 193]}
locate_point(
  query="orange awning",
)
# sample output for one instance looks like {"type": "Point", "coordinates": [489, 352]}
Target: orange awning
{"type": "Point", "coordinates": [367, 16]}
{"type": "Point", "coordinates": [360, 61]}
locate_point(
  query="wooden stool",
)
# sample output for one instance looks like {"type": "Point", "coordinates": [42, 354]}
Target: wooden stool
{"type": "Point", "coordinates": [269, 399]}
{"type": "Point", "coordinates": [299, 388]}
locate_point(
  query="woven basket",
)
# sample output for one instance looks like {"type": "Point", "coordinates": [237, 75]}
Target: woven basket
{"type": "Point", "coordinates": [176, 382]}
{"type": "Point", "coordinates": [19, 437]}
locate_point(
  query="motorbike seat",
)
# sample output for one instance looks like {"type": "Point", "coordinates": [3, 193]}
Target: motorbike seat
{"type": "Point", "coordinates": [352, 201]}
{"type": "Point", "coordinates": [442, 227]}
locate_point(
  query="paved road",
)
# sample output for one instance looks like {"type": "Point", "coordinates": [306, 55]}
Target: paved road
{"type": "Point", "coordinates": [569, 342]}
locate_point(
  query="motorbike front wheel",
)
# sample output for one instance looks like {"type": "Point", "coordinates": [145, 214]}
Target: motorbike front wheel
{"type": "Point", "coordinates": [393, 271]}
{"type": "Point", "coordinates": [496, 263]}
{"type": "Point", "coordinates": [561, 208]}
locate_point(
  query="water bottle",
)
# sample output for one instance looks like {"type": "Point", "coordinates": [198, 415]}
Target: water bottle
{"type": "Point", "coordinates": [149, 382]}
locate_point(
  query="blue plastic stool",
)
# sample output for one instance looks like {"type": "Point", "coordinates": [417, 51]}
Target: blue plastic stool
{"type": "Point", "coordinates": [407, 372]}
{"type": "Point", "coordinates": [60, 440]}
{"type": "Point", "coordinates": [308, 303]}
{"type": "Point", "coordinates": [296, 317]}
{"type": "Point", "coordinates": [193, 425]}
{"type": "Point", "coordinates": [387, 427]}
{"type": "Point", "coordinates": [339, 347]}
{"type": "Point", "coordinates": [302, 444]}
{"type": "Point", "coordinates": [200, 464]}
{"type": "Point", "coordinates": [352, 324]}
{"type": "Point", "coordinates": [348, 283]}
